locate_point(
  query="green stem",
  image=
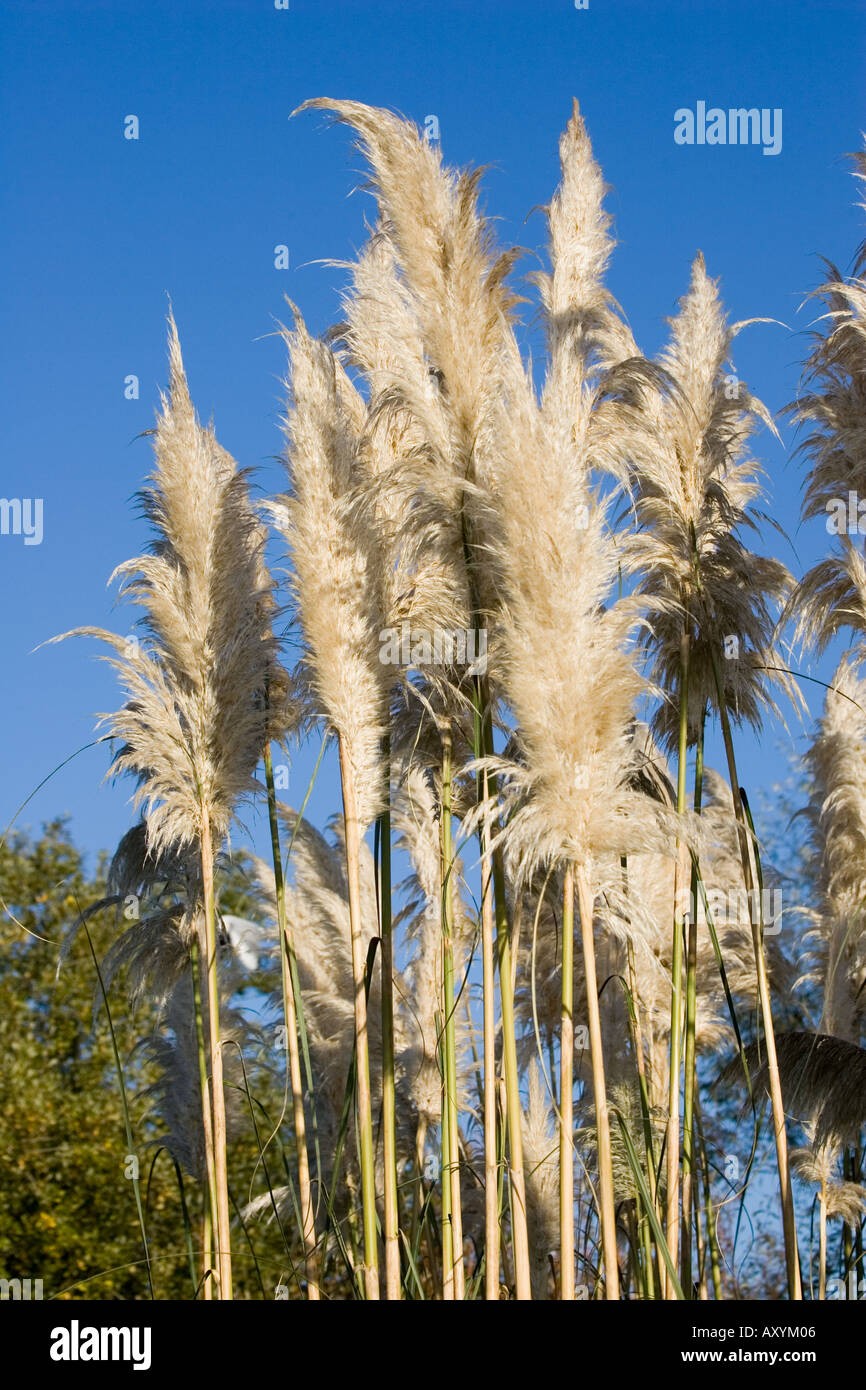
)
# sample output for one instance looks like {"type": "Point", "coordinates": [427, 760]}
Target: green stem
{"type": "Point", "coordinates": [492, 1206]}
{"type": "Point", "coordinates": [607, 1210]}
{"type": "Point", "coordinates": [187, 1226]}
{"type": "Point", "coordinates": [218, 1103]}
{"type": "Point", "coordinates": [502, 944]}
{"type": "Point", "coordinates": [789, 1226]}
{"type": "Point", "coordinates": [822, 1242]}
{"type": "Point", "coordinates": [709, 1210]}
{"type": "Point", "coordinates": [389, 1103]}
{"type": "Point", "coordinates": [755, 912]}
{"type": "Point", "coordinates": [856, 1176]}
{"type": "Point", "coordinates": [450, 1115]}
{"type": "Point", "coordinates": [308, 1224]}
{"type": "Point", "coordinates": [673, 1139]}
{"type": "Point", "coordinates": [127, 1122]}
{"type": "Point", "coordinates": [445, 1170]}
{"type": "Point", "coordinates": [691, 1048]}
{"type": "Point", "coordinates": [210, 1224]}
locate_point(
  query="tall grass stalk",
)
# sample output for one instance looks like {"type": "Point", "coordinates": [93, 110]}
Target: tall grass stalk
{"type": "Point", "coordinates": [855, 1175]}
{"type": "Point", "coordinates": [566, 1096]}
{"type": "Point", "coordinates": [822, 1240]}
{"type": "Point", "coordinates": [673, 1133]}
{"type": "Point", "coordinates": [217, 1090]}
{"type": "Point", "coordinates": [447, 1232]}
{"type": "Point", "coordinates": [634, 1003]}
{"type": "Point", "coordinates": [709, 1209]}
{"type": "Point", "coordinates": [505, 966]}
{"type": "Point", "coordinates": [127, 1121]}
{"type": "Point", "coordinates": [389, 1100]}
{"type": "Point", "coordinates": [607, 1211]}
{"type": "Point", "coordinates": [290, 1019]}
{"type": "Point", "coordinates": [450, 1112]}
{"type": "Point", "coordinates": [362, 1042]}
{"type": "Point", "coordinates": [209, 1225]}
{"type": "Point", "coordinates": [516, 1179]}
{"type": "Point", "coordinates": [192, 727]}
{"type": "Point", "coordinates": [491, 1159]}
{"type": "Point", "coordinates": [789, 1225]}
{"type": "Point", "coordinates": [690, 1065]}
{"type": "Point", "coordinates": [699, 1278]}
{"type": "Point", "coordinates": [208, 1277]}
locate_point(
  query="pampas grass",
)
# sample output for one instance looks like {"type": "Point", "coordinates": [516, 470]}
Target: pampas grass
{"type": "Point", "coordinates": [831, 407]}
{"type": "Point", "coordinates": [455, 306]}
{"type": "Point", "coordinates": [712, 606]}
{"type": "Point", "coordinates": [570, 797]}
{"type": "Point", "coordinates": [508, 968]}
{"type": "Point", "coordinates": [838, 826]}
{"type": "Point", "coordinates": [335, 569]}
{"type": "Point", "coordinates": [194, 723]}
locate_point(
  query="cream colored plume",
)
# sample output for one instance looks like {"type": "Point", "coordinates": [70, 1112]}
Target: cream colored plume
{"type": "Point", "coordinates": [832, 407]}
{"type": "Point", "coordinates": [412, 493]}
{"type": "Point", "coordinates": [837, 821]}
{"type": "Point", "coordinates": [176, 1093]}
{"type": "Point", "coordinates": [415, 819]}
{"type": "Point", "coordinates": [195, 721]}
{"type": "Point", "coordinates": [694, 489]}
{"type": "Point", "coordinates": [585, 333]}
{"type": "Point", "coordinates": [317, 910]}
{"type": "Point", "coordinates": [456, 286]}
{"type": "Point", "coordinates": [541, 1159]}
{"type": "Point", "coordinates": [336, 578]}
{"type": "Point", "coordinates": [567, 669]}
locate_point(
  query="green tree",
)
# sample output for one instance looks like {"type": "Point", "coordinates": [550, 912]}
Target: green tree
{"type": "Point", "coordinates": [67, 1207]}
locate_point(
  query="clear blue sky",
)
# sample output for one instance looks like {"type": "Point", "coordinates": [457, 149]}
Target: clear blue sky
{"type": "Point", "coordinates": [98, 230]}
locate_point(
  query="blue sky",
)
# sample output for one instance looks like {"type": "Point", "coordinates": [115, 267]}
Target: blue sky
{"type": "Point", "coordinates": [99, 230]}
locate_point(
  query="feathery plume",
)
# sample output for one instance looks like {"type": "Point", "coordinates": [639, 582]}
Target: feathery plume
{"type": "Point", "coordinates": [334, 577]}
{"type": "Point", "coordinates": [837, 820]}
{"type": "Point", "coordinates": [336, 580]}
{"type": "Point", "coordinates": [832, 595]}
{"type": "Point", "coordinates": [540, 1151]}
{"type": "Point", "coordinates": [195, 721]}
{"type": "Point", "coordinates": [193, 727]}
{"type": "Point", "coordinates": [694, 490]}
{"type": "Point", "coordinates": [586, 335]}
